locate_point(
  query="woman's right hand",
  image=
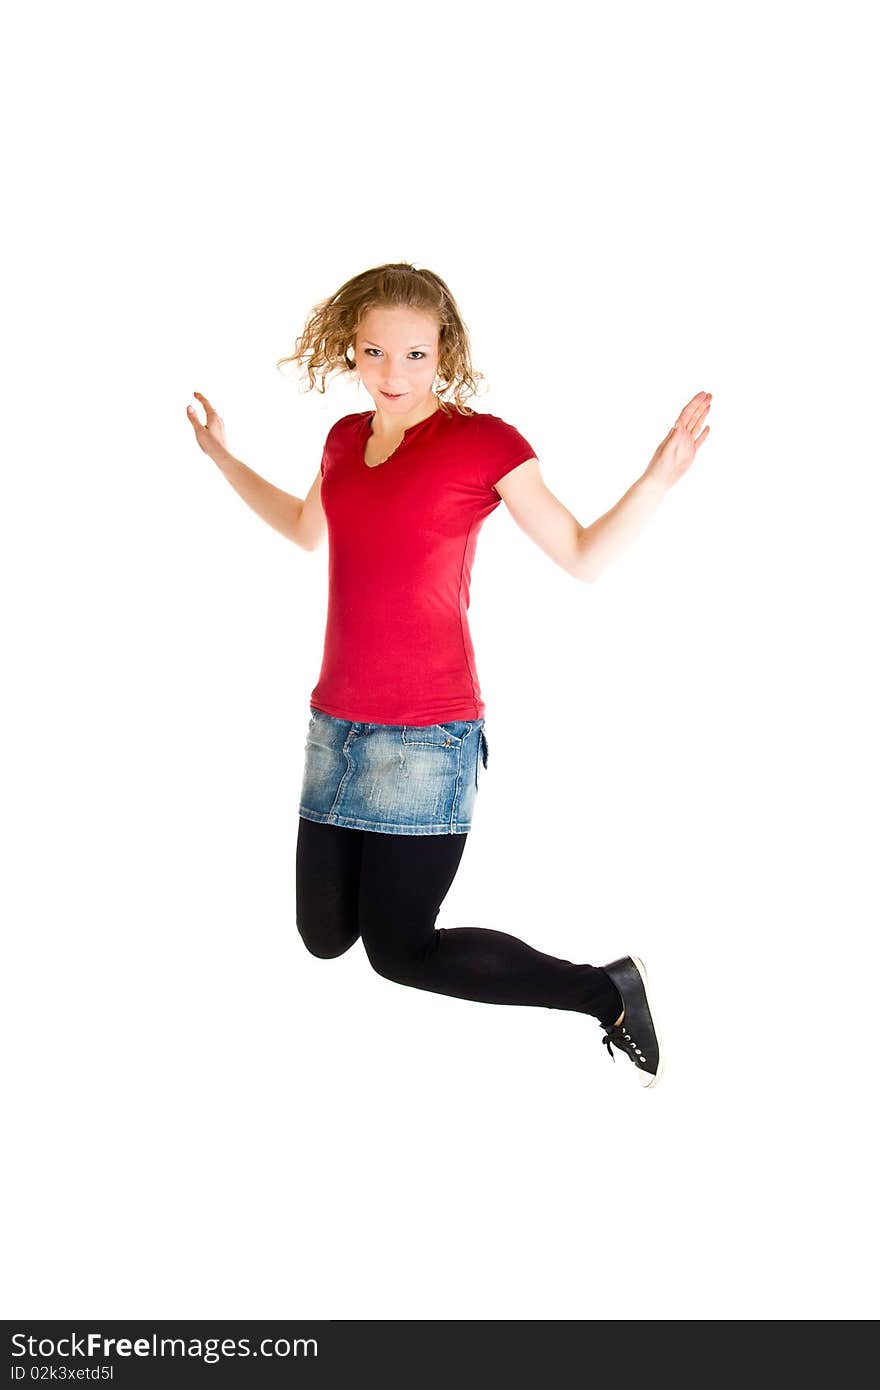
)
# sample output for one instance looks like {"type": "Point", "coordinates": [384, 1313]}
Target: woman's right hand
{"type": "Point", "coordinates": [211, 437]}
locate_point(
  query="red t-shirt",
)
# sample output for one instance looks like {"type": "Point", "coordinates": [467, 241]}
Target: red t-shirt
{"type": "Point", "coordinates": [402, 538]}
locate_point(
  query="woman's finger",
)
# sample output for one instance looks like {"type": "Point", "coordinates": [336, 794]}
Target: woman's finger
{"type": "Point", "coordinates": [690, 410]}
{"type": "Point", "coordinates": [697, 420]}
{"type": "Point", "coordinates": [210, 412]}
{"type": "Point", "coordinates": [696, 410]}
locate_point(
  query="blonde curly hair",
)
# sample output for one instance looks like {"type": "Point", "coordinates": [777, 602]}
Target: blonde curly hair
{"type": "Point", "coordinates": [323, 347]}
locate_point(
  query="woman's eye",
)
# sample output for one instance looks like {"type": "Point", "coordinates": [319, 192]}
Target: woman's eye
{"type": "Point", "coordinates": [415, 351]}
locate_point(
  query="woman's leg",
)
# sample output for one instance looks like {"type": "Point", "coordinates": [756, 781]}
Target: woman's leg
{"type": "Point", "coordinates": [328, 866]}
{"type": "Point", "coordinates": [403, 881]}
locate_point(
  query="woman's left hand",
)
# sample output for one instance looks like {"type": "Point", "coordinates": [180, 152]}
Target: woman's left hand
{"type": "Point", "coordinates": [676, 453]}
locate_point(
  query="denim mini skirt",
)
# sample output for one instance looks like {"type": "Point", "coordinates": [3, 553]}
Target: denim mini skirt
{"type": "Point", "coordinates": [400, 779]}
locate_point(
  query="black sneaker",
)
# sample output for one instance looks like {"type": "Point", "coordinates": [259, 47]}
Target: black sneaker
{"type": "Point", "coordinates": [636, 1035]}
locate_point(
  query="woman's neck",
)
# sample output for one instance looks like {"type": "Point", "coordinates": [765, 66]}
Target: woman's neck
{"type": "Point", "coordinates": [388, 426]}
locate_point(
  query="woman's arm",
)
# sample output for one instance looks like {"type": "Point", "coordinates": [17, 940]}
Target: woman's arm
{"type": "Point", "coordinates": [312, 522]}
{"type": "Point", "coordinates": [281, 510]}
{"type": "Point", "coordinates": [538, 512]}
{"type": "Point", "coordinates": [586, 551]}
{"type": "Point", "coordinates": [299, 520]}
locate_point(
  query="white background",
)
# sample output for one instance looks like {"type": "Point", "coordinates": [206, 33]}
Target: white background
{"type": "Point", "coordinates": [630, 204]}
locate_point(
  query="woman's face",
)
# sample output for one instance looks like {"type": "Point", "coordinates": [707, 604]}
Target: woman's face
{"type": "Point", "coordinates": [397, 354]}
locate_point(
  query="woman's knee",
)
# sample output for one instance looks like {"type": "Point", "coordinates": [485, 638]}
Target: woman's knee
{"type": "Point", "coordinates": [326, 939]}
{"type": "Point", "coordinates": [404, 967]}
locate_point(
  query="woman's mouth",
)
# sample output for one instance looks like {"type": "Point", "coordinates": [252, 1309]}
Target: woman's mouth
{"type": "Point", "coordinates": [389, 397]}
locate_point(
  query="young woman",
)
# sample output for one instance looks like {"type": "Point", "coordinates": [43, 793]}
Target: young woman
{"type": "Point", "coordinates": [396, 737]}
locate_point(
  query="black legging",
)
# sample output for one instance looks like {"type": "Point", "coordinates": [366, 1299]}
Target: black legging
{"type": "Point", "coordinates": [387, 889]}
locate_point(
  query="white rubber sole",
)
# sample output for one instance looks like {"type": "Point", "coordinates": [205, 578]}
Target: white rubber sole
{"type": "Point", "coordinates": [659, 1072]}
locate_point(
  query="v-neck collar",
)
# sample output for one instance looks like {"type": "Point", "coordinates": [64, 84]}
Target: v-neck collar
{"type": "Point", "coordinates": [365, 430]}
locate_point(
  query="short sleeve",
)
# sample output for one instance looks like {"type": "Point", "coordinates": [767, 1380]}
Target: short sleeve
{"type": "Point", "coordinates": [339, 437]}
{"type": "Point", "coordinates": [328, 443]}
{"type": "Point", "coordinates": [502, 448]}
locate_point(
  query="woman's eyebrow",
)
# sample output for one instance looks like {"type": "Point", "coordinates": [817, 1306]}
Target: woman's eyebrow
{"type": "Point", "coordinates": [412, 349]}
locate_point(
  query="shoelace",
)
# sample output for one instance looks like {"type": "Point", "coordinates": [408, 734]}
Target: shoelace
{"type": "Point", "coordinates": [633, 1044]}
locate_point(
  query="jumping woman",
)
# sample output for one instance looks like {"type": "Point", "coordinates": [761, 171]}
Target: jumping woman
{"type": "Point", "coordinates": [396, 734]}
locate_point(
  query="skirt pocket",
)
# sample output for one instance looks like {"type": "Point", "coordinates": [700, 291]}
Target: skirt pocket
{"type": "Point", "coordinates": [449, 735]}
